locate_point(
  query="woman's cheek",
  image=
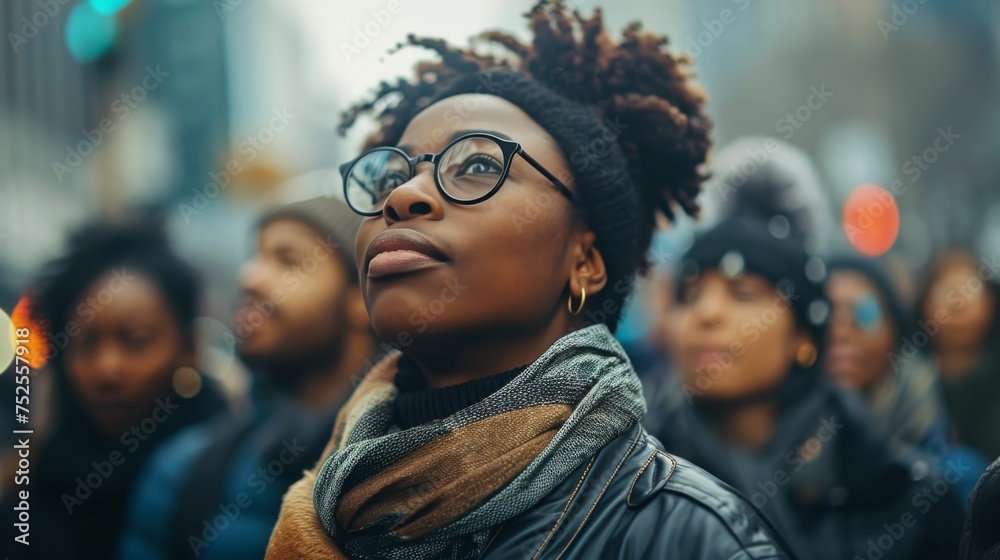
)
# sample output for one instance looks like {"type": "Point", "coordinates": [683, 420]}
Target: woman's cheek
{"type": "Point", "coordinates": [767, 341]}
{"type": "Point", "coordinates": [751, 333]}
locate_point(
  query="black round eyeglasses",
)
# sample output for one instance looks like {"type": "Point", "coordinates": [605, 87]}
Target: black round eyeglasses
{"type": "Point", "coordinates": [469, 170]}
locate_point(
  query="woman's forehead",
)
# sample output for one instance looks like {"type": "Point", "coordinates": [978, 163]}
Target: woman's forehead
{"type": "Point", "coordinates": [716, 275]}
{"type": "Point", "coordinates": [850, 281]}
{"type": "Point", "coordinates": [439, 123]}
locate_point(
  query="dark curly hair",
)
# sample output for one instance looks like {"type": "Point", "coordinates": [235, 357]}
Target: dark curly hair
{"type": "Point", "coordinates": [626, 114]}
{"type": "Point", "coordinates": [139, 246]}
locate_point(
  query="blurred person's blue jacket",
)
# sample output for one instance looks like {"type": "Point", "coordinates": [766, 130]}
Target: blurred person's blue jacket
{"type": "Point", "coordinates": [894, 407]}
{"type": "Point", "coordinates": [834, 485]}
{"type": "Point", "coordinates": [214, 492]}
{"type": "Point", "coordinates": [977, 465]}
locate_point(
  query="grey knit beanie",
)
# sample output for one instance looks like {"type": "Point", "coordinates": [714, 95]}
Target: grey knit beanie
{"type": "Point", "coordinates": [326, 215]}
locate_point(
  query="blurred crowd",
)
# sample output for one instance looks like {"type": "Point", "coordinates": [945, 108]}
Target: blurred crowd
{"type": "Point", "coordinates": [845, 407]}
{"type": "Point", "coordinates": [851, 395]}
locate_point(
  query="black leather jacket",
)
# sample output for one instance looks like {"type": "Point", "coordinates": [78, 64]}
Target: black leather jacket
{"type": "Point", "coordinates": [633, 500]}
{"type": "Point", "coordinates": [981, 536]}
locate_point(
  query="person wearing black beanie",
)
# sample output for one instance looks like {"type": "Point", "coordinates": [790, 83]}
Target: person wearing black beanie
{"type": "Point", "coordinates": [749, 402]}
{"type": "Point", "coordinates": [508, 203]}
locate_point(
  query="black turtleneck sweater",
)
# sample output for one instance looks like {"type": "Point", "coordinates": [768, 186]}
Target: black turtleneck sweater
{"type": "Point", "coordinates": [416, 404]}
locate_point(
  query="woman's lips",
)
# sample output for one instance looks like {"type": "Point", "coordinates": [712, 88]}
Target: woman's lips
{"type": "Point", "coordinates": [398, 262]}
{"type": "Point", "coordinates": [704, 356]}
{"type": "Point", "coordinates": [840, 356]}
{"type": "Point", "coordinates": [705, 359]}
{"type": "Point", "coordinates": [397, 251]}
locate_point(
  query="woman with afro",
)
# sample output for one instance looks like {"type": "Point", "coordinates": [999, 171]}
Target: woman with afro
{"type": "Point", "coordinates": [510, 201]}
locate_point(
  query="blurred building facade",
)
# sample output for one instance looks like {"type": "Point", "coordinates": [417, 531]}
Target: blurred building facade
{"type": "Point", "coordinates": [230, 73]}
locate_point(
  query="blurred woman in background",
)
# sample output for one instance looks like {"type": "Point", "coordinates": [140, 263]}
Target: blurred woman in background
{"type": "Point", "coordinates": [120, 308]}
{"type": "Point", "coordinates": [959, 328]}
{"type": "Point", "coordinates": [752, 407]}
{"type": "Point", "coordinates": [864, 355]}
{"type": "Point", "coordinates": [870, 352]}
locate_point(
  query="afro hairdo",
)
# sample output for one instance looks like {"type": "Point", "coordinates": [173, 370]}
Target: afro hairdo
{"type": "Point", "coordinates": [572, 78]}
{"type": "Point", "coordinates": [99, 249]}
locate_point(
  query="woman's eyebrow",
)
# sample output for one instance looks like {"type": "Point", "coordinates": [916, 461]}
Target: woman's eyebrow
{"type": "Point", "coordinates": [285, 248]}
{"type": "Point", "coordinates": [458, 134]}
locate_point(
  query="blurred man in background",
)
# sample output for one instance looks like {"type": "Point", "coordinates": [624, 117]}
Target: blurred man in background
{"type": "Point", "coordinates": [216, 492]}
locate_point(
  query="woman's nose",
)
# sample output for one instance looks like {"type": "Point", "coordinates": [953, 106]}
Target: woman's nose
{"type": "Point", "coordinates": [109, 367]}
{"type": "Point", "coordinates": [708, 310]}
{"type": "Point", "coordinates": [841, 324]}
{"type": "Point", "coordinates": [415, 198]}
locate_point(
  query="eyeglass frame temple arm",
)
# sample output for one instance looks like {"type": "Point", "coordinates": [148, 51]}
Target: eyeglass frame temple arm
{"type": "Point", "coordinates": [563, 189]}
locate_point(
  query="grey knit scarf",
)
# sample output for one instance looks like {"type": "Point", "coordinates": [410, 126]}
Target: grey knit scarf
{"type": "Point", "coordinates": [390, 493]}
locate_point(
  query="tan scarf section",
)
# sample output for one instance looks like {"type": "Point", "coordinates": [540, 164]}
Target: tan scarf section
{"type": "Point", "coordinates": [428, 488]}
{"type": "Point", "coordinates": [298, 533]}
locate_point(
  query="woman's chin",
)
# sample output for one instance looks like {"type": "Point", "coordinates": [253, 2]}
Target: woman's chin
{"type": "Point", "coordinates": [111, 425]}
{"type": "Point", "coordinates": [397, 331]}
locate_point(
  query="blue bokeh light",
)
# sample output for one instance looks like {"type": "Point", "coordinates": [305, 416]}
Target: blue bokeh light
{"type": "Point", "coordinates": [109, 7]}
{"type": "Point", "coordinates": [89, 34]}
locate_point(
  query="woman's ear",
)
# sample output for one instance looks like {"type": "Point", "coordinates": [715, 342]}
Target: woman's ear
{"type": "Point", "coordinates": [804, 349]}
{"type": "Point", "coordinates": [588, 272]}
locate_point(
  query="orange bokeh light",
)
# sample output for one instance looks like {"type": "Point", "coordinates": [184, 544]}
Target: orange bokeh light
{"type": "Point", "coordinates": [871, 220]}
{"type": "Point", "coordinates": [38, 350]}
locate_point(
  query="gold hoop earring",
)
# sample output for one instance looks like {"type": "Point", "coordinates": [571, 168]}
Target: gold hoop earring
{"type": "Point", "coordinates": [805, 356]}
{"type": "Point", "coordinates": [569, 302]}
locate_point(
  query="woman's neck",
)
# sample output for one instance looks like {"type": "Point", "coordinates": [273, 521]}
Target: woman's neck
{"type": "Point", "coordinates": [469, 356]}
{"type": "Point", "coordinates": [748, 426]}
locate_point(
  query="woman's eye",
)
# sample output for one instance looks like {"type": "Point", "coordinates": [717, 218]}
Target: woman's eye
{"type": "Point", "coordinates": [85, 344]}
{"type": "Point", "coordinates": [137, 341]}
{"type": "Point", "coordinates": [393, 179]}
{"type": "Point", "coordinates": [691, 295]}
{"type": "Point", "coordinates": [387, 184]}
{"type": "Point", "coordinates": [744, 294]}
{"type": "Point", "coordinates": [479, 165]}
